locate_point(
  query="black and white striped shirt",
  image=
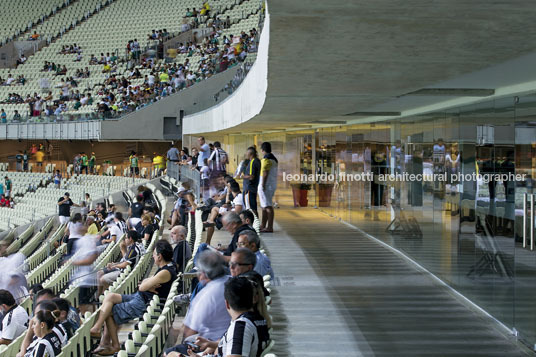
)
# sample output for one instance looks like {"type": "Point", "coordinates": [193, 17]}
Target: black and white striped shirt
{"type": "Point", "coordinates": [217, 156]}
{"type": "Point", "coordinates": [58, 337]}
{"type": "Point", "coordinates": [246, 336]}
{"type": "Point", "coordinates": [48, 346]}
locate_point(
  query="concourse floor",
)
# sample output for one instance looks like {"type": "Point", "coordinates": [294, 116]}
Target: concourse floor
{"type": "Point", "coordinates": [338, 292]}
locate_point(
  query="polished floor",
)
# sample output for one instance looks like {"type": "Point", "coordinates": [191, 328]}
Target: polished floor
{"type": "Point", "coordinates": [340, 293]}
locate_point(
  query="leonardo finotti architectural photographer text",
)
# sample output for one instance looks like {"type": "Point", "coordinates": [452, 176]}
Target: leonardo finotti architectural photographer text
{"type": "Point", "coordinates": [401, 177]}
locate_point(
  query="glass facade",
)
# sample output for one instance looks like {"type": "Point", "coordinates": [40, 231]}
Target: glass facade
{"type": "Point", "coordinates": [475, 234]}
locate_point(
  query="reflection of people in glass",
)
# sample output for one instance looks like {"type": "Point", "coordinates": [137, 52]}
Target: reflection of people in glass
{"type": "Point", "coordinates": [307, 159]}
{"type": "Point", "coordinates": [452, 160]}
{"type": "Point", "coordinates": [397, 160]}
{"type": "Point", "coordinates": [378, 167]}
{"type": "Point", "coordinates": [508, 167]}
{"type": "Point", "coordinates": [438, 162]}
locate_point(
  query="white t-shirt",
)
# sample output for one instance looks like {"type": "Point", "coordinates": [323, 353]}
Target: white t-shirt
{"type": "Point", "coordinates": [150, 79]}
{"type": "Point", "coordinates": [76, 230]}
{"type": "Point", "coordinates": [238, 200]}
{"type": "Point", "coordinates": [116, 229]}
{"type": "Point", "coordinates": [205, 172]}
{"type": "Point", "coordinates": [14, 324]}
{"type": "Point", "coordinates": [207, 313]}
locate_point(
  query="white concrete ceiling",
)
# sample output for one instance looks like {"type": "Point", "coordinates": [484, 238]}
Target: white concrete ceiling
{"type": "Point", "coordinates": [331, 58]}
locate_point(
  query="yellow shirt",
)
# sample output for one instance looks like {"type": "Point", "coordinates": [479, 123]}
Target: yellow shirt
{"type": "Point", "coordinates": [164, 77]}
{"type": "Point", "coordinates": [158, 161]}
{"type": "Point", "coordinates": [39, 156]}
{"type": "Point", "coordinates": [92, 230]}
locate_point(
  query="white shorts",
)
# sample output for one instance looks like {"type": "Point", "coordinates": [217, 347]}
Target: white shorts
{"type": "Point", "coordinates": [64, 219]}
{"type": "Point", "coordinates": [265, 197]}
{"type": "Point", "coordinates": [133, 221]}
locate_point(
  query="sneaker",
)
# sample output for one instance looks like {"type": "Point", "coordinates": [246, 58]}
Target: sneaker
{"type": "Point", "coordinates": [182, 299]}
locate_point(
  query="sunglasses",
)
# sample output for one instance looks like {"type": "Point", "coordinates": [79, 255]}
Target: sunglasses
{"type": "Point", "coordinates": [234, 264]}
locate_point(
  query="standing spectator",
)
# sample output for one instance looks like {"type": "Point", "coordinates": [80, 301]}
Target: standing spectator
{"type": "Point", "coordinates": [8, 186]}
{"type": "Point", "coordinates": [17, 117]}
{"type": "Point", "coordinates": [19, 158]}
{"type": "Point", "coordinates": [15, 318]}
{"type": "Point", "coordinates": [267, 186]}
{"type": "Point", "coordinates": [84, 162]}
{"type": "Point", "coordinates": [158, 163]}
{"type": "Point", "coordinates": [135, 211]}
{"type": "Point", "coordinates": [204, 151]}
{"type": "Point", "coordinates": [64, 211]}
{"type": "Point", "coordinates": [25, 161]}
{"type": "Point", "coordinates": [39, 157]}
{"type": "Point", "coordinates": [57, 179]}
{"type": "Point", "coordinates": [205, 180]}
{"type": "Point", "coordinates": [173, 154]}
{"type": "Point", "coordinates": [251, 180]}
{"type": "Point", "coordinates": [75, 230]}
{"type": "Point", "coordinates": [3, 116]}
{"type": "Point", "coordinates": [134, 168]}
{"type": "Point", "coordinates": [92, 161]}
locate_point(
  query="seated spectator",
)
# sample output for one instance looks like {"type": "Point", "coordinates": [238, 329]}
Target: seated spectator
{"type": "Point", "coordinates": [34, 36]}
{"type": "Point", "coordinates": [69, 325]}
{"type": "Point", "coordinates": [46, 343]}
{"type": "Point", "coordinates": [4, 202]}
{"type": "Point", "coordinates": [242, 261]}
{"type": "Point", "coordinates": [207, 315]}
{"type": "Point", "coordinates": [93, 60]}
{"type": "Point", "coordinates": [115, 231]}
{"type": "Point", "coordinates": [236, 205]}
{"type": "Point", "coordinates": [247, 334]}
{"type": "Point", "coordinates": [247, 217]}
{"type": "Point", "coordinates": [233, 224]}
{"type": "Point", "coordinates": [182, 252]}
{"type": "Point", "coordinates": [118, 309]}
{"type": "Point", "coordinates": [250, 240]}
{"type": "Point", "coordinates": [15, 318]}
{"type": "Point", "coordinates": [131, 254]}
{"type": "Point", "coordinates": [57, 336]}
{"type": "Point", "coordinates": [9, 80]}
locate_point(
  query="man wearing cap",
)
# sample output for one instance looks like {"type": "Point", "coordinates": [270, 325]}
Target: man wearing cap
{"type": "Point", "coordinates": [64, 211]}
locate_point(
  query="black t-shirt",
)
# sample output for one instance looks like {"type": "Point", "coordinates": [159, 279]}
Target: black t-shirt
{"type": "Point", "coordinates": [232, 246]}
{"type": "Point", "coordinates": [252, 169]}
{"type": "Point", "coordinates": [182, 254]}
{"type": "Point", "coordinates": [65, 207]}
{"type": "Point", "coordinates": [142, 231]}
{"type": "Point", "coordinates": [137, 209]}
{"type": "Point", "coordinates": [163, 290]}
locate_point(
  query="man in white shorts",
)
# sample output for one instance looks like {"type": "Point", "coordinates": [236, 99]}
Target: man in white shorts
{"type": "Point", "coordinates": [64, 211]}
{"type": "Point", "coordinates": [267, 187]}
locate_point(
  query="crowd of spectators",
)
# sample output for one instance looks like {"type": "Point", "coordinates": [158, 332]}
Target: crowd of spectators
{"type": "Point", "coordinates": [119, 94]}
{"type": "Point", "coordinates": [227, 302]}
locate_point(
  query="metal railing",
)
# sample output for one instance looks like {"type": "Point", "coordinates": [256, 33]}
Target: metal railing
{"type": "Point", "coordinates": [185, 173]}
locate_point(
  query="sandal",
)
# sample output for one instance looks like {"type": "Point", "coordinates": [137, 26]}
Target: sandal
{"type": "Point", "coordinates": [264, 230]}
{"type": "Point", "coordinates": [108, 351]}
{"type": "Point", "coordinates": [208, 224]}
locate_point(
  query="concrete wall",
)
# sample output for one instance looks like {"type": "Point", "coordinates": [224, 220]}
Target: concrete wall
{"type": "Point", "coordinates": [148, 123]}
{"type": "Point", "coordinates": [244, 104]}
{"type": "Point", "coordinates": [53, 131]}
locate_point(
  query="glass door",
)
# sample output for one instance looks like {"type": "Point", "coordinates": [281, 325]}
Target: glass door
{"type": "Point", "coordinates": [525, 203]}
